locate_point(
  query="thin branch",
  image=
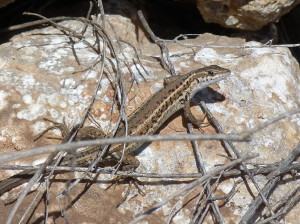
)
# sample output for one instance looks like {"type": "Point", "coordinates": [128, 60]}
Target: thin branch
{"type": "Point", "coordinates": [192, 186]}
{"type": "Point", "coordinates": [68, 147]}
{"type": "Point", "coordinates": [167, 64]}
{"type": "Point", "coordinates": [183, 36]}
{"type": "Point", "coordinates": [59, 27]}
{"type": "Point", "coordinates": [91, 102]}
{"type": "Point", "coordinates": [28, 187]}
{"type": "Point", "coordinates": [138, 57]}
{"type": "Point", "coordinates": [68, 138]}
{"type": "Point", "coordinates": [227, 174]}
{"type": "Point", "coordinates": [252, 212]}
{"type": "Point", "coordinates": [88, 16]}
{"type": "Point", "coordinates": [290, 200]}
{"type": "Point", "coordinates": [274, 120]}
{"type": "Point", "coordinates": [251, 132]}
{"type": "Point", "coordinates": [41, 190]}
{"type": "Point", "coordinates": [175, 40]}
{"type": "Point", "coordinates": [33, 23]}
{"type": "Point", "coordinates": [285, 163]}
{"type": "Point", "coordinates": [201, 168]}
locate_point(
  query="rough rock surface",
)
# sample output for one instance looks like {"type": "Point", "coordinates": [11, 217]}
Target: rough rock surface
{"type": "Point", "coordinates": [244, 14]}
{"type": "Point", "coordinates": [37, 80]}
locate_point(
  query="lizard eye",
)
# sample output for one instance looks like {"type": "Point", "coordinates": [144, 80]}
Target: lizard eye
{"type": "Point", "coordinates": [210, 72]}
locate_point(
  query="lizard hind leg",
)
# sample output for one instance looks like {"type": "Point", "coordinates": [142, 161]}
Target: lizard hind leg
{"type": "Point", "coordinates": [89, 133]}
{"type": "Point", "coordinates": [129, 163]}
{"type": "Point", "coordinates": [56, 125]}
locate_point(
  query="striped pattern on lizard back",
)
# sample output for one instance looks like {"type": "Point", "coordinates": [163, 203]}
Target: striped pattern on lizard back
{"type": "Point", "coordinates": [158, 108]}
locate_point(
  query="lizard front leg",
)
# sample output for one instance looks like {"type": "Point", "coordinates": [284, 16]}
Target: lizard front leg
{"type": "Point", "coordinates": [56, 125]}
{"type": "Point", "coordinates": [128, 162]}
{"type": "Point", "coordinates": [191, 118]}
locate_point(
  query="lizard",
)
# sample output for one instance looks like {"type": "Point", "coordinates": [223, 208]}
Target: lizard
{"type": "Point", "coordinates": [145, 120]}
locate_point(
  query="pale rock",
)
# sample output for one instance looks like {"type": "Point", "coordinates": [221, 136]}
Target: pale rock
{"type": "Point", "coordinates": [244, 14]}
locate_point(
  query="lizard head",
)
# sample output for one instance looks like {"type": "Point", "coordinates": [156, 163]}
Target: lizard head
{"type": "Point", "coordinates": [207, 76]}
{"type": "Point", "coordinates": [216, 72]}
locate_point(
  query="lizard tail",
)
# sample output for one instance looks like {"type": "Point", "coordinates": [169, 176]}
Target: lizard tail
{"type": "Point", "coordinates": [15, 181]}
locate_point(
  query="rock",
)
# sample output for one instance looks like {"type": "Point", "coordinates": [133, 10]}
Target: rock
{"type": "Point", "coordinates": [244, 14]}
{"type": "Point", "coordinates": [39, 77]}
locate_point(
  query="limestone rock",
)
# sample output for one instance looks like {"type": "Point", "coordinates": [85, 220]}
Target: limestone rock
{"type": "Point", "coordinates": [244, 14]}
